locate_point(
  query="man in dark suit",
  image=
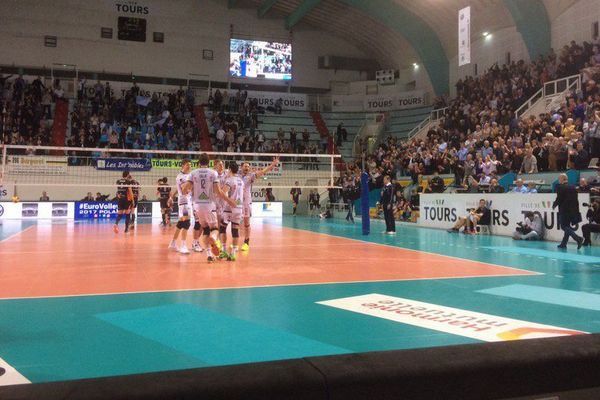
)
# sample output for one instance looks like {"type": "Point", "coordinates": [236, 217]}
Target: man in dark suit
{"type": "Point", "coordinates": [568, 211]}
{"type": "Point", "coordinates": [387, 203]}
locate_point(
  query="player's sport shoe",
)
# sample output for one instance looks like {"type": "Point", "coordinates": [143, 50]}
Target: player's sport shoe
{"type": "Point", "coordinates": [210, 259]}
{"type": "Point", "coordinates": [173, 245]}
{"type": "Point", "coordinates": [115, 229]}
{"type": "Point", "coordinates": [223, 255]}
{"type": "Point", "coordinates": [232, 257]}
{"type": "Point", "coordinates": [183, 249]}
{"type": "Point", "coordinates": [197, 248]}
{"type": "Point", "coordinates": [245, 247]}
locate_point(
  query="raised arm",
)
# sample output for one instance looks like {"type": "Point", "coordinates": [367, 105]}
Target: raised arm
{"type": "Point", "coordinates": [268, 168]}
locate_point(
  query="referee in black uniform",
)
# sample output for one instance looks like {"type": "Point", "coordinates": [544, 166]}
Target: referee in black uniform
{"type": "Point", "coordinates": [387, 202]}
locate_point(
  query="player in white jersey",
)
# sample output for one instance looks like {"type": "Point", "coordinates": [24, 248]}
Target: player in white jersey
{"type": "Point", "coordinates": [234, 186]}
{"type": "Point", "coordinates": [205, 189]}
{"type": "Point", "coordinates": [220, 204]}
{"type": "Point", "coordinates": [184, 202]}
{"type": "Point", "coordinates": [249, 177]}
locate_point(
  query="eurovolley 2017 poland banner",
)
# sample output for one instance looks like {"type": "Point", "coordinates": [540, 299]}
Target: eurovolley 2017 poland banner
{"type": "Point", "coordinates": [443, 210]}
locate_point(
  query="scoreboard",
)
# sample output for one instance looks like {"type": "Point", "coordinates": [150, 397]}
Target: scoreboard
{"type": "Point", "coordinates": [133, 29]}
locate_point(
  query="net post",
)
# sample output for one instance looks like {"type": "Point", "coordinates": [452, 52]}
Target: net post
{"type": "Point", "coordinates": [364, 202]}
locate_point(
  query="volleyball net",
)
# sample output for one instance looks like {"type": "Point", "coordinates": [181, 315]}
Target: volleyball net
{"type": "Point", "coordinates": [71, 172]}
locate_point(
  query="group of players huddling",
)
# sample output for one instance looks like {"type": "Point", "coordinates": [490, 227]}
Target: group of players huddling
{"type": "Point", "coordinates": [216, 197]}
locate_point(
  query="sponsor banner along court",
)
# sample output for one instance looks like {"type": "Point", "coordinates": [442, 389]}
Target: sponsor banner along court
{"type": "Point", "coordinates": [35, 165]}
{"type": "Point", "coordinates": [123, 164]}
{"type": "Point", "coordinates": [475, 325]}
{"type": "Point", "coordinates": [443, 210]}
{"type": "Point", "coordinates": [167, 163]}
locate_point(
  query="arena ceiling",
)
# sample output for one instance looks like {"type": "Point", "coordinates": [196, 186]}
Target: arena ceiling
{"type": "Point", "coordinates": [398, 33]}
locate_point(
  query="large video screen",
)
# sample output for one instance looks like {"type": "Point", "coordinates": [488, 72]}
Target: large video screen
{"type": "Point", "coordinates": [254, 58]}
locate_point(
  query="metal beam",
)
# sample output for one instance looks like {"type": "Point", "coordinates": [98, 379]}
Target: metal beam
{"type": "Point", "coordinates": [531, 19]}
{"type": "Point", "coordinates": [421, 37]}
{"type": "Point", "coordinates": [265, 7]}
{"type": "Point", "coordinates": [300, 12]}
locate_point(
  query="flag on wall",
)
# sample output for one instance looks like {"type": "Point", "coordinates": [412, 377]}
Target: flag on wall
{"type": "Point", "coordinates": [464, 36]}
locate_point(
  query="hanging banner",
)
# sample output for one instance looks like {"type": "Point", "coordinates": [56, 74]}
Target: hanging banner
{"type": "Point", "coordinates": [464, 36]}
{"type": "Point", "coordinates": [380, 102]}
{"type": "Point", "coordinates": [289, 101]}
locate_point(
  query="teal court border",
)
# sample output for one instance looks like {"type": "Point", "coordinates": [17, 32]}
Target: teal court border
{"type": "Point", "coordinates": [48, 339]}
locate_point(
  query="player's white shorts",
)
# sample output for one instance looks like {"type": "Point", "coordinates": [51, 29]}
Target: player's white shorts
{"type": "Point", "coordinates": [205, 214]}
{"type": "Point", "coordinates": [234, 216]}
{"type": "Point", "coordinates": [220, 210]}
{"type": "Point", "coordinates": [185, 210]}
{"type": "Point", "coordinates": [247, 210]}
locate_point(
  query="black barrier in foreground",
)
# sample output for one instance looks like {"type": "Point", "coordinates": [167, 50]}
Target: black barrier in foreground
{"type": "Point", "coordinates": [479, 371]}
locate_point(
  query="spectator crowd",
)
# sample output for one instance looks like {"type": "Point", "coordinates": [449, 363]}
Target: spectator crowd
{"type": "Point", "coordinates": [480, 138]}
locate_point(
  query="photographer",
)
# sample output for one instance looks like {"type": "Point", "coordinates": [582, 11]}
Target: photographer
{"type": "Point", "coordinates": [593, 216]}
{"type": "Point", "coordinates": [532, 228]}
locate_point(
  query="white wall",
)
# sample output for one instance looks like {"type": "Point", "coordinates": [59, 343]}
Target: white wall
{"type": "Point", "coordinates": [575, 23]}
{"type": "Point", "coordinates": [188, 25]}
{"type": "Point", "coordinates": [486, 51]}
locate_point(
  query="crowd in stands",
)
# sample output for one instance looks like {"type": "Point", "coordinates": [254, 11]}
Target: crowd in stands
{"type": "Point", "coordinates": [102, 119]}
{"type": "Point", "coordinates": [27, 110]}
{"type": "Point", "coordinates": [105, 118]}
{"type": "Point", "coordinates": [234, 127]}
{"type": "Point", "coordinates": [479, 138]}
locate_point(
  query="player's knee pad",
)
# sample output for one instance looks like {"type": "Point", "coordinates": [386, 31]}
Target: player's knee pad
{"type": "Point", "coordinates": [196, 226]}
{"type": "Point", "coordinates": [223, 229]}
{"type": "Point", "coordinates": [235, 232]}
{"type": "Point", "coordinates": [186, 224]}
{"type": "Point", "coordinates": [206, 231]}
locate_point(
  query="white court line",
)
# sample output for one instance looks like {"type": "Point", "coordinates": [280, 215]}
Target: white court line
{"type": "Point", "coordinates": [203, 289]}
{"type": "Point", "coordinates": [11, 376]}
{"type": "Point", "coordinates": [16, 234]}
{"type": "Point", "coordinates": [423, 252]}
{"type": "Point", "coordinates": [526, 273]}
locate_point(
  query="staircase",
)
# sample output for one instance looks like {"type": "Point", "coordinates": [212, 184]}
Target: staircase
{"type": "Point", "coordinates": [59, 126]}
{"type": "Point", "coordinates": [321, 126]}
{"type": "Point", "coordinates": [202, 124]}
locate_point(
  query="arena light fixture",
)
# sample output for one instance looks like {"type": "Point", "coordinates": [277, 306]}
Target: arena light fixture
{"type": "Point", "coordinates": [415, 66]}
{"type": "Point", "coordinates": [486, 34]}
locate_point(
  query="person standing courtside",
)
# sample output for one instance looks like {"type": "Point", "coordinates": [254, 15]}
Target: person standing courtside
{"type": "Point", "coordinates": [387, 202]}
{"type": "Point", "coordinates": [568, 211]}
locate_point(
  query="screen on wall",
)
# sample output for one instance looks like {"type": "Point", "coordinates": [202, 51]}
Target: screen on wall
{"type": "Point", "coordinates": [257, 59]}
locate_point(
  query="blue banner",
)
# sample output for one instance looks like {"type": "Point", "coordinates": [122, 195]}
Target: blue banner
{"type": "Point", "coordinates": [95, 210]}
{"type": "Point", "coordinates": [123, 164]}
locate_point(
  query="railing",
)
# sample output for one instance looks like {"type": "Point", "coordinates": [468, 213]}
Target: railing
{"type": "Point", "coordinates": [370, 130]}
{"type": "Point", "coordinates": [434, 115]}
{"type": "Point", "coordinates": [438, 113]}
{"type": "Point", "coordinates": [552, 88]}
